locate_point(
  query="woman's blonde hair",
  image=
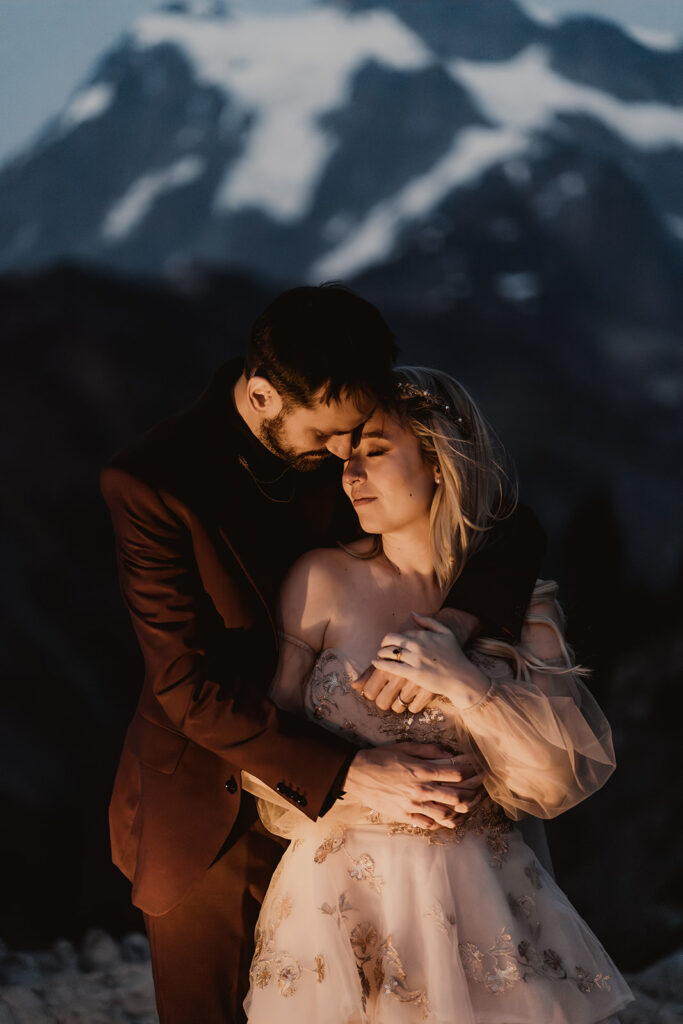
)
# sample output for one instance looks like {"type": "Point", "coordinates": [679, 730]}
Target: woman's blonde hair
{"type": "Point", "coordinates": [477, 486]}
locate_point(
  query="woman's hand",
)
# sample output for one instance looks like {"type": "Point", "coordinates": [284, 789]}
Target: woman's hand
{"type": "Point", "coordinates": [431, 659]}
{"type": "Point", "coordinates": [374, 684]}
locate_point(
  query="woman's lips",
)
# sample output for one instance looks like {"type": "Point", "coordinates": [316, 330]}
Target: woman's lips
{"type": "Point", "coordinates": [362, 501]}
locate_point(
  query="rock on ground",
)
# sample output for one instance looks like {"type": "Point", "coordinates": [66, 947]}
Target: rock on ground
{"type": "Point", "coordinates": [109, 982]}
{"type": "Point", "coordinates": [103, 982]}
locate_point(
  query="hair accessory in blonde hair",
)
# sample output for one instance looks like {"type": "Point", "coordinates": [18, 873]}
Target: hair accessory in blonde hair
{"type": "Point", "coordinates": [432, 401]}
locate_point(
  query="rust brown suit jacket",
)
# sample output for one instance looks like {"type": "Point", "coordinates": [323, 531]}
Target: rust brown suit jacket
{"type": "Point", "coordinates": [201, 552]}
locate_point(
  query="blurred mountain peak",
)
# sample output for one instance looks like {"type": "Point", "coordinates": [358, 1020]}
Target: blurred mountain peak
{"type": "Point", "coordinates": [320, 137]}
{"type": "Point", "coordinates": [195, 8]}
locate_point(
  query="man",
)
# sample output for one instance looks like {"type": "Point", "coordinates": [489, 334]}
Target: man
{"type": "Point", "coordinates": [210, 508]}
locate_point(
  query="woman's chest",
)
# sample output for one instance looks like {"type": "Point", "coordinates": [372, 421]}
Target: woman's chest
{"type": "Point", "coordinates": [330, 699]}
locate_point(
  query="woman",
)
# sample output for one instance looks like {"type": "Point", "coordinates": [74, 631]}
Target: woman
{"type": "Point", "coordinates": [375, 920]}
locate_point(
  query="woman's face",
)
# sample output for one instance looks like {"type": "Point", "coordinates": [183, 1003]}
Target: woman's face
{"type": "Point", "coordinates": [386, 478]}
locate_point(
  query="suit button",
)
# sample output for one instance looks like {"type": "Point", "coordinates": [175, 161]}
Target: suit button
{"type": "Point", "coordinates": [231, 785]}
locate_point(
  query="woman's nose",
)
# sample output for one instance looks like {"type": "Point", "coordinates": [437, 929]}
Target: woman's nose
{"type": "Point", "coordinates": [353, 470]}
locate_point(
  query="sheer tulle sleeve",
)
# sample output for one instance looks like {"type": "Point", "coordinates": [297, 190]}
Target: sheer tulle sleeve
{"type": "Point", "coordinates": [544, 742]}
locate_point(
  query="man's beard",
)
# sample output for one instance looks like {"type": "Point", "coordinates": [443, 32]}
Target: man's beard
{"type": "Point", "coordinates": [271, 437]}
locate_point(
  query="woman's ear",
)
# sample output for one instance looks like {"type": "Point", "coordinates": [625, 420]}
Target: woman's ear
{"type": "Point", "coordinates": [437, 474]}
{"type": "Point", "coordinates": [263, 398]}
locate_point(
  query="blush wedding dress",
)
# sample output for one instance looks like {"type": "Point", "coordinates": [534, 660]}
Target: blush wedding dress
{"type": "Point", "coordinates": [371, 921]}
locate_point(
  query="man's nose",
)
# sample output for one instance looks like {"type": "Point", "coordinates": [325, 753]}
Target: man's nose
{"type": "Point", "coordinates": [340, 445]}
{"type": "Point", "coordinates": [352, 470]}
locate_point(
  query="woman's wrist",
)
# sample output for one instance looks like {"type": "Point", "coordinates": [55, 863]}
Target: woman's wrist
{"type": "Point", "coordinates": [469, 687]}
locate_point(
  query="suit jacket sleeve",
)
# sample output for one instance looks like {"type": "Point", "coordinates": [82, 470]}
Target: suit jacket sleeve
{"type": "Point", "coordinates": [200, 670]}
{"type": "Point", "coordinates": [497, 581]}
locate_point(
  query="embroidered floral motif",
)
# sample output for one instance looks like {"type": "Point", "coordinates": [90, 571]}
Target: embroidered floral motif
{"type": "Point", "coordinates": [364, 941]}
{"type": "Point", "coordinates": [533, 873]}
{"type": "Point", "coordinates": [486, 819]}
{"type": "Point", "coordinates": [269, 963]}
{"type": "Point", "coordinates": [402, 828]}
{"type": "Point", "coordinates": [288, 975]}
{"type": "Point", "coordinates": [427, 725]}
{"type": "Point", "coordinates": [267, 960]}
{"type": "Point", "coordinates": [496, 968]}
{"type": "Point", "coordinates": [445, 922]}
{"type": "Point", "coordinates": [586, 982]}
{"type": "Point", "coordinates": [548, 964]}
{"type": "Point", "coordinates": [340, 911]}
{"type": "Point", "coordinates": [325, 686]}
{"type": "Point", "coordinates": [363, 870]}
{"type": "Point", "coordinates": [391, 977]}
{"type": "Point", "coordinates": [320, 967]}
{"type": "Point", "coordinates": [524, 908]}
{"type": "Point", "coordinates": [331, 844]}
{"type": "Point", "coordinates": [260, 973]}
{"type": "Point", "coordinates": [503, 966]}
{"type": "Point", "coordinates": [283, 908]}
{"type": "Point", "coordinates": [499, 848]}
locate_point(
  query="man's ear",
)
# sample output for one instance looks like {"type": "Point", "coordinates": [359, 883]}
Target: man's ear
{"type": "Point", "coordinates": [263, 398]}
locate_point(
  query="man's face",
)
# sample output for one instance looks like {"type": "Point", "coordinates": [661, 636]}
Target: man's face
{"type": "Point", "coordinates": [304, 437]}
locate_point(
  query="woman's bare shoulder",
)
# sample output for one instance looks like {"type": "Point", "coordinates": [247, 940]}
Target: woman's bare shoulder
{"type": "Point", "coordinates": [325, 565]}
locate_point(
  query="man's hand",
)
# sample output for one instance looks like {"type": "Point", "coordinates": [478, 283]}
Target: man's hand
{"type": "Point", "coordinates": [384, 689]}
{"type": "Point", "coordinates": [415, 783]}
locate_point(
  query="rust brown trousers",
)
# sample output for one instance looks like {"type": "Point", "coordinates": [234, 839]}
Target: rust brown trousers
{"type": "Point", "coordinates": [203, 541]}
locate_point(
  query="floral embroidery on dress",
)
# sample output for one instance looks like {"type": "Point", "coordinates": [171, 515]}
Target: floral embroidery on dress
{"type": "Point", "coordinates": [363, 870]}
{"type": "Point", "coordinates": [496, 968]}
{"type": "Point", "coordinates": [523, 908]}
{"type": "Point", "coordinates": [423, 726]}
{"type": "Point", "coordinates": [288, 975]}
{"type": "Point", "coordinates": [503, 966]}
{"type": "Point", "coordinates": [364, 942]}
{"type": "Point", "coordinates": [325, 685]}
{"type": "Point", "coordinates": [339, 911]}
{"type": "Point", "coordinates": [380, 967]}
{"type": "Point", "coordinates": [391, 977]}
{"type": "Point", "coordinates": [320, 967]}
{"type": "Point", "coordinates": [548, 964]}
{"type": "Point", "coordinates": [269, 962]}
{"type": "Point", "coordinates": [499, 848]}
{"type": "Point", "coordinates": [329, 845]}
{"type": "Point", "coordinates": [533, 873]}
{"type": "Point", "coordinates": [487, 819]}
{"type": "Point", "coordinates": [444, 922]}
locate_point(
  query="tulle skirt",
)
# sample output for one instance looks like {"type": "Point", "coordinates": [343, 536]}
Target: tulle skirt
{"type": "Point", "coordinates": [381, 924]}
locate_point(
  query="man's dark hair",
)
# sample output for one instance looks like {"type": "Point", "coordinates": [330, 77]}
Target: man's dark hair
{"type": "Point", "coordinates": [322, 338]}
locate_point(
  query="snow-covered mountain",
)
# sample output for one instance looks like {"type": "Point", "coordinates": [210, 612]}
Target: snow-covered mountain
{"type": "Point", "coordinates": [306, 144]}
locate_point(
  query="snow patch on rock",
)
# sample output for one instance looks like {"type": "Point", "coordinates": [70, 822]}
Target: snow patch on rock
{"type": "Point", "coordinates": [287, 69]}
{"type": "Point", "coordinates": [473, 151]}
{"type": "Point", "coordinates": [134, 205]}
{"type": "Point", "coordinates": [88, 104]}
{"type": "Point", "coordinates": [525, 94]}
{"type": "Point", "coordinates": [655, 39]}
